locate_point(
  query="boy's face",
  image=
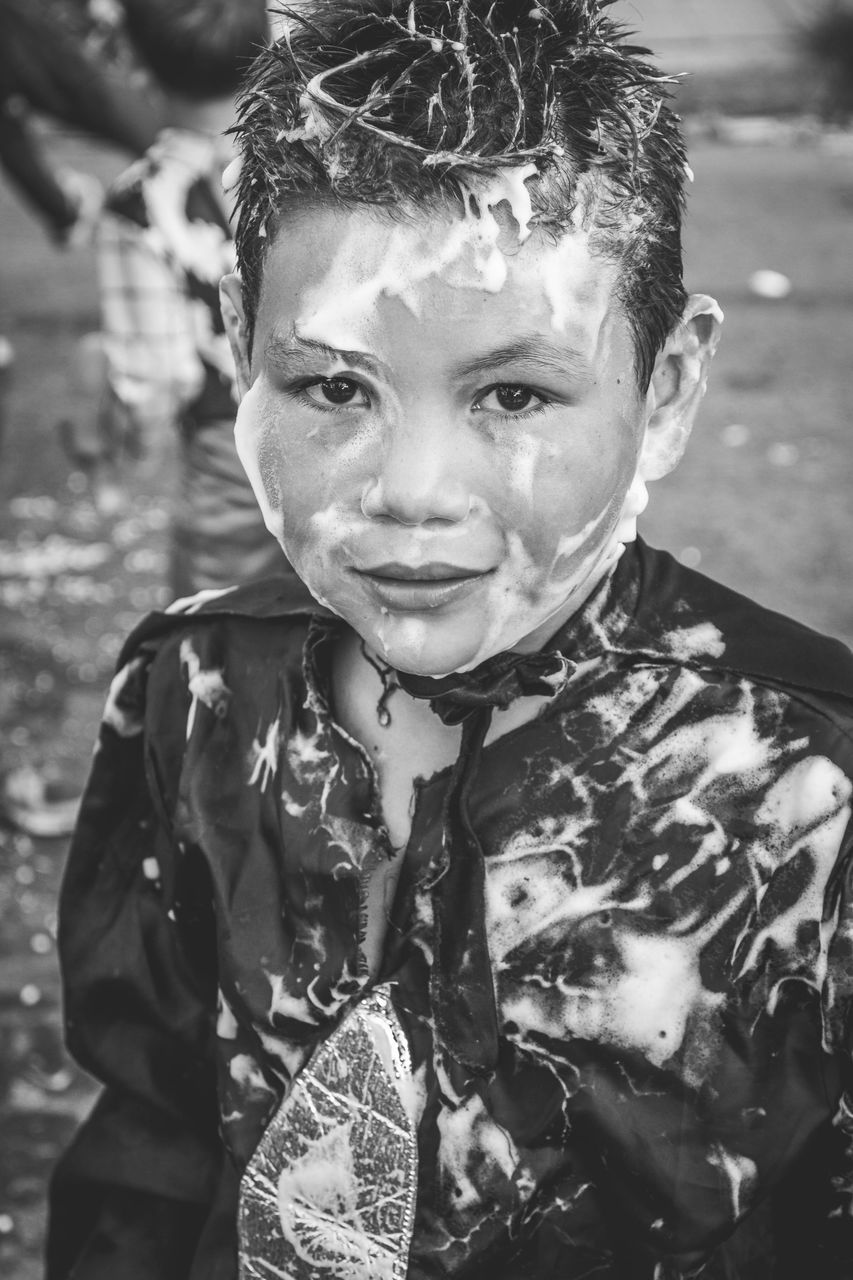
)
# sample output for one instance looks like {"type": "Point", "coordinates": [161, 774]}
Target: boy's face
{"type": "Point", "coordinates": [441, 429]}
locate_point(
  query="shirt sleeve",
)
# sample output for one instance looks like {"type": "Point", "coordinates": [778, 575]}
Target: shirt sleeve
{"type": "Point", "coordinates": [149, 323]}
{"type": "Point", "coordinates": [131, 1195]}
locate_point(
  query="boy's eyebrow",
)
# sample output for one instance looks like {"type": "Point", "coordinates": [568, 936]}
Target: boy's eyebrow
{"type": "Point", "coordinates": [533, 350]}
{"type": "Point", "coordinates": [282, 351]}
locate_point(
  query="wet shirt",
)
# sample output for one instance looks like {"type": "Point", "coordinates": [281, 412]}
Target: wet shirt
{"type": "Point", "coordinates": [669, 921]}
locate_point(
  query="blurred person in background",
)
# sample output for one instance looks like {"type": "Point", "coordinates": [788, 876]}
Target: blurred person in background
{"type": "Point", "coordinates": [828, 37]}
{"type": "Point", "coordinates": [44, 70]}
{"type": "Point", "coordinates": [163, 244]}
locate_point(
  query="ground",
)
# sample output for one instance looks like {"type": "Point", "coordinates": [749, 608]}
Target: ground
{"type": "Point", "coordinates": [762, 502]}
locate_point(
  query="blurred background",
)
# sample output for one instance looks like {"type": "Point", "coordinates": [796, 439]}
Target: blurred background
{"type": "Point", "coordinates": [761, 502]}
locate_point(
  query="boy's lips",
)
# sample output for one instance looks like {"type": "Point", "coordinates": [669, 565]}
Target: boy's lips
{"type": "Point", "coordinates": [435, 571]}
{"type": "Point", "coordinates": [426, 586]}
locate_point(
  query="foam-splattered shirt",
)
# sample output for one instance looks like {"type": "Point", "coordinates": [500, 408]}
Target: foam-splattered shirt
{"type": "Point", "coordinates": [669, 921]}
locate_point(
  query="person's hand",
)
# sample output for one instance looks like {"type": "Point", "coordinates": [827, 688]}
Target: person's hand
{"type": "Point", "coordinates": [86, 196]}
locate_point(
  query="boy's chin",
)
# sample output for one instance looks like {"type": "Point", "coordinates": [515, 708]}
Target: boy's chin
{"type": "Point", "coordinates": [424, 646]}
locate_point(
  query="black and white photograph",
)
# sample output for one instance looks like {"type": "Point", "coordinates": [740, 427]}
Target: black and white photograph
{"type": "Point", "coordinates": [426, 686]}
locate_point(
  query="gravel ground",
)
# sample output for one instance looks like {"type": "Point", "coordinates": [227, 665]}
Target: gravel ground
{"type": "Point", "coordinates": [762, 502]}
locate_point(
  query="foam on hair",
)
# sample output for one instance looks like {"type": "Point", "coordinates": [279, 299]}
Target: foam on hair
{"type": "Point", "coordinates": [392, 103]}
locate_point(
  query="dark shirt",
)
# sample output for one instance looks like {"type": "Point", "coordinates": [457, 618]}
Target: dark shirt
{"type": "Point", "coordinates": [669, 921]}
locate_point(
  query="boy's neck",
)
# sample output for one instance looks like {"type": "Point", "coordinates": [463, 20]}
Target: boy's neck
{"type": "Point", "coordinates": [412, 732]}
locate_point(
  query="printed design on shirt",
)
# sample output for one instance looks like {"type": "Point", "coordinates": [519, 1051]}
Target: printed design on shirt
{"type": "Point", "coordinates": [331, 1187]}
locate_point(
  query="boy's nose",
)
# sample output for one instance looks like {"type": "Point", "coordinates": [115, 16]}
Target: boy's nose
{"type": "Point", "coordinates": [418, 479]}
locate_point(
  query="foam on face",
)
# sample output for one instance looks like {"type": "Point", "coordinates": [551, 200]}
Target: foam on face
{"type": "Point", "coordinates": [401, 635]}
{"type": "Point", "coordinates": [259, 449]}
{"type": "Point", "coordinates": [541, 575]}
{"type": "Point", "coordinates": [528, 455]}
{"type": "Point", "coordinates": [468, 255]}
{"type": "Point", "coordinates": [571, 573]}
{"type": "Point", "coordinates": [568, 578]}
{"type": "Point", "coordinates": [256, 442]}
{"type": "Point", "coordinates": [579, 562]}
{"type": "Point", "coordinates": [574, 248]}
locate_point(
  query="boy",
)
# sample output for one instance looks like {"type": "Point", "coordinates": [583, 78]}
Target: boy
{"type": "Point", "coordinates": [489, 918]}
{"type": "Point", "coordinates": [163, 246]}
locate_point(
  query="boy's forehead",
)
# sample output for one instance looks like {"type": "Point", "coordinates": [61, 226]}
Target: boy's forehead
{"type": "Point", "coordinates": [329, 272]}
{"type": "Point", "coordinates": [316, 224]}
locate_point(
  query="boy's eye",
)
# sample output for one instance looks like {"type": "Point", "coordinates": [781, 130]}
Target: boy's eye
{"type": "Point", "coordinates": [509, 397]}
{"type": "Point", "coordinates": [335, 391]}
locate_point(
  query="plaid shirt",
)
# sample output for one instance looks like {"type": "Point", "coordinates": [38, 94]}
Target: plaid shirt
{"type": "Point", "coordinates": [163, 245]}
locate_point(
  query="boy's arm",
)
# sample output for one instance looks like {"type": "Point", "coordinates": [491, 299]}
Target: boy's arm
{"type": "Point", "coordinates": [131, 1195]}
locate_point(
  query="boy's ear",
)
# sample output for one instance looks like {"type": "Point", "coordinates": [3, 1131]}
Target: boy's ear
{"type": "Point", "coordinates": [678, 385]}
{"type": "Point", "coordinates": [234, 318]}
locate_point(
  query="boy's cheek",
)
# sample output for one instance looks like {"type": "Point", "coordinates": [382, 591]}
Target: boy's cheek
{"type": "Point", "coordinates": [317, 544]}
{"type": "Point", "coordinates": [279, 464]}
{"type": "Point", "coordinates": [274, 461]}
{"type": "Point", "coordinates": [257, 454]}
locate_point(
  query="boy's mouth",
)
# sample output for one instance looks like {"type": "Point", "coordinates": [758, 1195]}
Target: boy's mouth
{"type": "Point", "coordinates": [436, 571]}
{"type": "Point", "coordinates": [426, 586]}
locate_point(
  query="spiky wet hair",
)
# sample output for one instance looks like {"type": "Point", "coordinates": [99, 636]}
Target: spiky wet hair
{"type": "Point", "coordinates": [388, 102]}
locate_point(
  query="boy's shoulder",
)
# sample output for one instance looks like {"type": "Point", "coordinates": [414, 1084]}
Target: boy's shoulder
{"type": "Point", "coordinates": [267, 608]}
{"type": "Point", "coordinates": [214, 646]}
{"type": "Point", "coordinates": [679, 615]}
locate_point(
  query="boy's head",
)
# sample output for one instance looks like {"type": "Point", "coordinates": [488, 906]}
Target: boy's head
{"type": "Point", "coordinates": [435, 89]}
{"type": "Point", "coordinates": [460, 312]}
{"type": "Point", "coordinates": [199, 49]}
